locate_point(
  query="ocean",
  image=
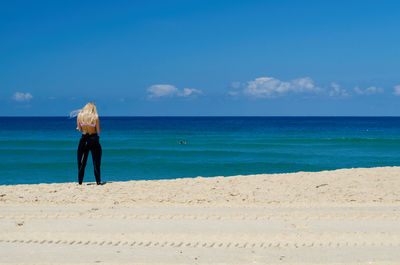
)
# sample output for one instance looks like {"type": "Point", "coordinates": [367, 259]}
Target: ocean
{"type": "Point", "coordinates": [43, 149]}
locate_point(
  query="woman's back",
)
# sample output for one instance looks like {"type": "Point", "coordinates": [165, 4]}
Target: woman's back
{"type": "Point", "coordinates": [88, 128]}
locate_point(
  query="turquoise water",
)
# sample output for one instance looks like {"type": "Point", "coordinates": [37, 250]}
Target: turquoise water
{"type": "Point", "coordinates": [43, 149]}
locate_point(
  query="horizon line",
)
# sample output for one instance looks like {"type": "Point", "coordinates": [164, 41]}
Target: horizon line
{"type": "Point", "coordinates": [199, 116]}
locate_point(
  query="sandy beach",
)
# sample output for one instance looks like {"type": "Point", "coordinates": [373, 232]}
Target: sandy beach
{"type": "Point", "coordinates": [347, 216]}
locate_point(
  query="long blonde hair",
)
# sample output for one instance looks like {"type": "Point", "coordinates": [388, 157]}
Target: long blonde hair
{"type": "Point", "coordinates": [88, 114]}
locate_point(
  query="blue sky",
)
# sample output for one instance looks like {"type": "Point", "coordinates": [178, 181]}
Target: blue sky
{"type": "Point", "coordinates": [200, 57]}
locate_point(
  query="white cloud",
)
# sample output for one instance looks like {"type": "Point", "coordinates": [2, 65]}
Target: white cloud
{"type": "Point", "coordinates": [304, 84]}
{"type": "Point", "coordinates": [396, 90]}
{"type": "Point", "coordinates": [165, 90]}
{"type": "Point", "coordinates": [22, 97]}
{"type": "Point", "coordinates": [368, 91]}
{"type": "Point", "coordinates": [337, 91]}
{"type": "Point", "coordinates": [267, 87]}
{"type": "Point", "coordinates": [157, 91]}
{"type": "Point", "coordinates": [189, 91]}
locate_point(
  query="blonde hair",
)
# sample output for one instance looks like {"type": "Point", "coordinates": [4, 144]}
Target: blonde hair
{"type": "Point", "coordinates": [88, 114]}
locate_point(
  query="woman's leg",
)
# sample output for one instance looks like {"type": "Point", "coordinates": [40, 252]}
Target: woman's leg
{"type": "Point", "coordinates": [96, 156]}
{"type": "Point", "coordinates": [83, 152]}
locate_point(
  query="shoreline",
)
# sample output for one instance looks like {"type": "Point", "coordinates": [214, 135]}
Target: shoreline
{"type": "Point", "coordinates": [352, 186]}
{"type": "Point", "coordinates": [200, 177]}
{"type": "Point", "coordinates": [89, 183]}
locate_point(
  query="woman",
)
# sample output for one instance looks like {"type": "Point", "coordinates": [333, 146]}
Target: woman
{"type": "Point", "coordinates": [88, 122]}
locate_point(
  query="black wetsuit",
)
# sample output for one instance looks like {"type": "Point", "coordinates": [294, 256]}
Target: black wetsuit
{"type": "Point", "coordinates": [89, 142]}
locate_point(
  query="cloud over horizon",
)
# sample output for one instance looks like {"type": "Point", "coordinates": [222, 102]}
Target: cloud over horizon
{"type": "Point", "coordinates": [166, 90]}
{"type": "Point", "coordinates": [337, 91]}
{"type": "Point", "coordinates": [269, 87]}
{"type": "Point", "coordinates": [368, 91]}
{"type": "Point", "coordinates": [22, 97]}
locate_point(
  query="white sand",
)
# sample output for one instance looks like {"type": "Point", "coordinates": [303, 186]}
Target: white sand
{"type": "Point", "coordinates": [349, 216]}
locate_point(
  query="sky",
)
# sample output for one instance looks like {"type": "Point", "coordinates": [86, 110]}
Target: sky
{"type": "Point", "coordinates": [201, 58]}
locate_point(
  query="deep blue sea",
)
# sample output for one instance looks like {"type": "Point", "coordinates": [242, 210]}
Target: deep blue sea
{"type": "Point", "coordinates": [43, 149]}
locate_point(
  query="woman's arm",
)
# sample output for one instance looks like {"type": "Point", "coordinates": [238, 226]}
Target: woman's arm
{"type": "Point", "coordinates": [79, 124]}
{"type": "Point", "coordinates": [98, 126]}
